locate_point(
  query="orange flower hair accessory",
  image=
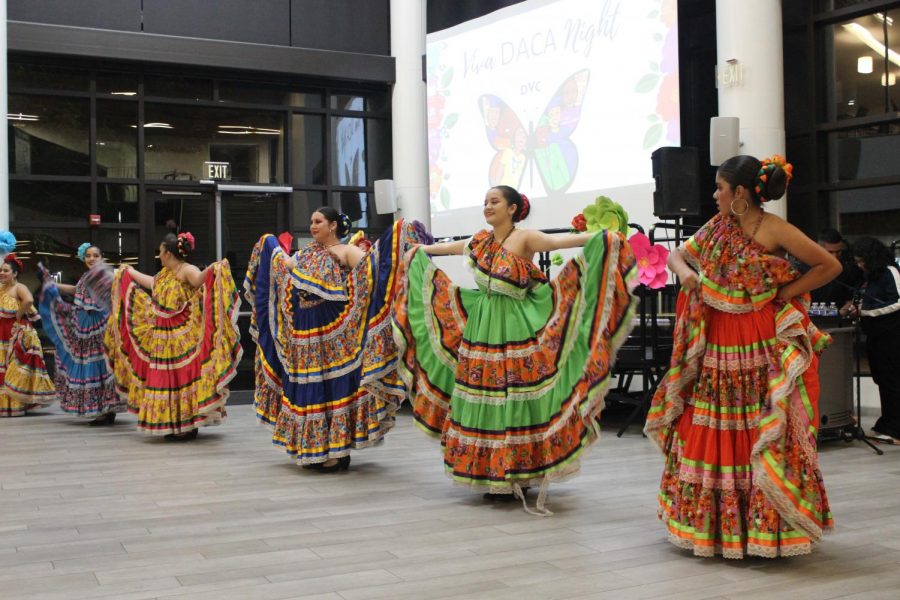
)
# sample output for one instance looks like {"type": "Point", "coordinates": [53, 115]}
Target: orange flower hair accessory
{"type": "Point", "coordinates": [767, 167]}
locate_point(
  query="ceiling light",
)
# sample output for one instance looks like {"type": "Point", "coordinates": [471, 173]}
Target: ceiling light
{"type": "Point", "coordinates": [883, 19]}
{"type": "Point", "coordinates": [22, 117]}
{"type": "Point", "coordinates": [864, 64]}
{"type": "Point", "coordinates": [247, 130]}
{"type": "Point", "coordinates": [851, 103]}
{"type": "Point", "coordinates": [866, 37]}
{"type": "Point", "coordinates": [124, 93]}
{"type": "Point", "coordinates": [891, 80]}
{"type": "Point", "coordinates": [154, 126]}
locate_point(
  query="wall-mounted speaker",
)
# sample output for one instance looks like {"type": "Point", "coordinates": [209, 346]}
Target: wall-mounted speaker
{"type": "Point", "coordinates": [724, 139]}
{"type": "Point", "coordinates": [385, 197]}
{"type": "Point", "coordinates": [676, 172]}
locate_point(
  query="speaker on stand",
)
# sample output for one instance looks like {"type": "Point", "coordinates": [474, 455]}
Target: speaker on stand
{"type": "Point", "coordinates": [676, 172]}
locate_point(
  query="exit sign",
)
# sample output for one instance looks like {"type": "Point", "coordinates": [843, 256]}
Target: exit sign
{"type": "Point", "coordinates": [218, 171]}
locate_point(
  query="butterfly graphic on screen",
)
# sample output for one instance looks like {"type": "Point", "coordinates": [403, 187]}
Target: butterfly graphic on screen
{"type": "Point", "coordinates": [546, 146]}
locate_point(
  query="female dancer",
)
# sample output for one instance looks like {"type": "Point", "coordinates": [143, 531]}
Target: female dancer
{"type": "Point", "coordinates": [736, 414]}
{"type": "Point", "coordinates": [325, 362]}
{"type": "Point", "coordinates": [24, 382]}
{"type": "Point", "coordinates": [85, 384]}
{"type": "Point", "coordinates": [512, 375]}
{"type": "Point", "coordinates": [174, 348]}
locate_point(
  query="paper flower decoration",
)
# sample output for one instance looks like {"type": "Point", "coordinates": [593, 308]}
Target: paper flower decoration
{"type": "Point", "coordinates": [606, 214]}
{"type": "Point", "coordinates": [651, 261]}
{"type": "Point", "coordinates": [286, 241]}
{"type": "Point", "coordinates": [556, 259]}
{"type": "Point", "coordinates": [7, 242]}
{"type": "Point", "coordinates": [579, 223]}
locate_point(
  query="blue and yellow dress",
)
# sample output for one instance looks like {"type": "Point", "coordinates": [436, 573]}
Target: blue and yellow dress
{"type": "Point", "coordinates": [326, 378]}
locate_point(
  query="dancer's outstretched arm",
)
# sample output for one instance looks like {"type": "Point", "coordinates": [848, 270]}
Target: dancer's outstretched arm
{"type": "Point", "coordinates": [142, 279]}
{"type": "Point", "coordinates": [445, 248]}
{"type": "Point", "coordinates": [538, 241]}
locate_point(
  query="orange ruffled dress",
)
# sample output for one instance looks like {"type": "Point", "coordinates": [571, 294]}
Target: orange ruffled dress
{"type": "Point", "coordinates": [736, 414]}
{"type": "Point", "coordinates": [174, 352]}
{"type": "Point", "coordinates": [24, 382]}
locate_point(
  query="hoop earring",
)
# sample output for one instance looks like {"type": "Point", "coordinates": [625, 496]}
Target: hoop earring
{"type": "Point", "coordinates": [739, 214]}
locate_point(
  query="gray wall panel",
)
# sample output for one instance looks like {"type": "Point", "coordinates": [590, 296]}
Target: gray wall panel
{"type": "Point", "coordinates": [345, 25]}
{"type": "Point", "coordinates": [122, 15]}
{"type": "Point", "coordinates": [164, 49]}
{"type": "Point", "coordinates": [256, 21]}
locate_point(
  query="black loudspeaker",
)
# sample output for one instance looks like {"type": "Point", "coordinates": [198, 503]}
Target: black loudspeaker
{"type": "Point", "coordinates": [676, 172]}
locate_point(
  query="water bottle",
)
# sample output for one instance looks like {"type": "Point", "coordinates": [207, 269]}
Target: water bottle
{"type": "Point", "coordinates": [814, 309]}
{"type": "Point", "coordinates": [833, 309]}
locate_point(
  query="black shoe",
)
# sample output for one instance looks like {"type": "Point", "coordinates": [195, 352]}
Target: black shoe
{"type": "Point", "coordinates": [182, 437]}
{"type": "Point", "coordinates": [342, 464]}
{"type": "Point", "coordinates": [104, 419]}
{"type": "Point", "coordinates": [504, 497]}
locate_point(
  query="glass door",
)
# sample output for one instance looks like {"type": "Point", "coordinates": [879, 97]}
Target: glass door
{"type": "Point", "coordinates": [244, 217]}
{"type": "Point", "coordinates": [178, 210]}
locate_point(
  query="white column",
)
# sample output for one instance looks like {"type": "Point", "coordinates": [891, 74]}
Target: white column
{"type": "Point", "coordinates": [4, 137]}
{"type": "Point", "coordinates": [409, 132]}
{"type": "Point", "coordinates": [750, 33]}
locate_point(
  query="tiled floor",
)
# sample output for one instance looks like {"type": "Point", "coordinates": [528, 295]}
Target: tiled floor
{"type": "Point", "coordinates": [91, 512]}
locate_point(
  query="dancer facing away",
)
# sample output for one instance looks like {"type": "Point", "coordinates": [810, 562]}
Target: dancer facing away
{"type": "Point", "coordinates": [173, 341]}
{"type": "Point", "coordinates": [326, 363]}
{"type": "Point", "coordinates": [512, 375]}
{"type": "Point", "coordinates": [736, 414]}
{"type": "Point", "coordinates": [85, 385]}
{"type": "Point", "coordinates": [24, 382]}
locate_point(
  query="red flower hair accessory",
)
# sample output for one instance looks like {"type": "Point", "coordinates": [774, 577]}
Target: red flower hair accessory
{"type": "Point", "coordinates": [188, 237]}
{"type": "Point", "coordinates": [524, 208]}
{"type": "Point", "coordinates": [185, 243]}
{"type": "Point", "coordinates": [12, 259]}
